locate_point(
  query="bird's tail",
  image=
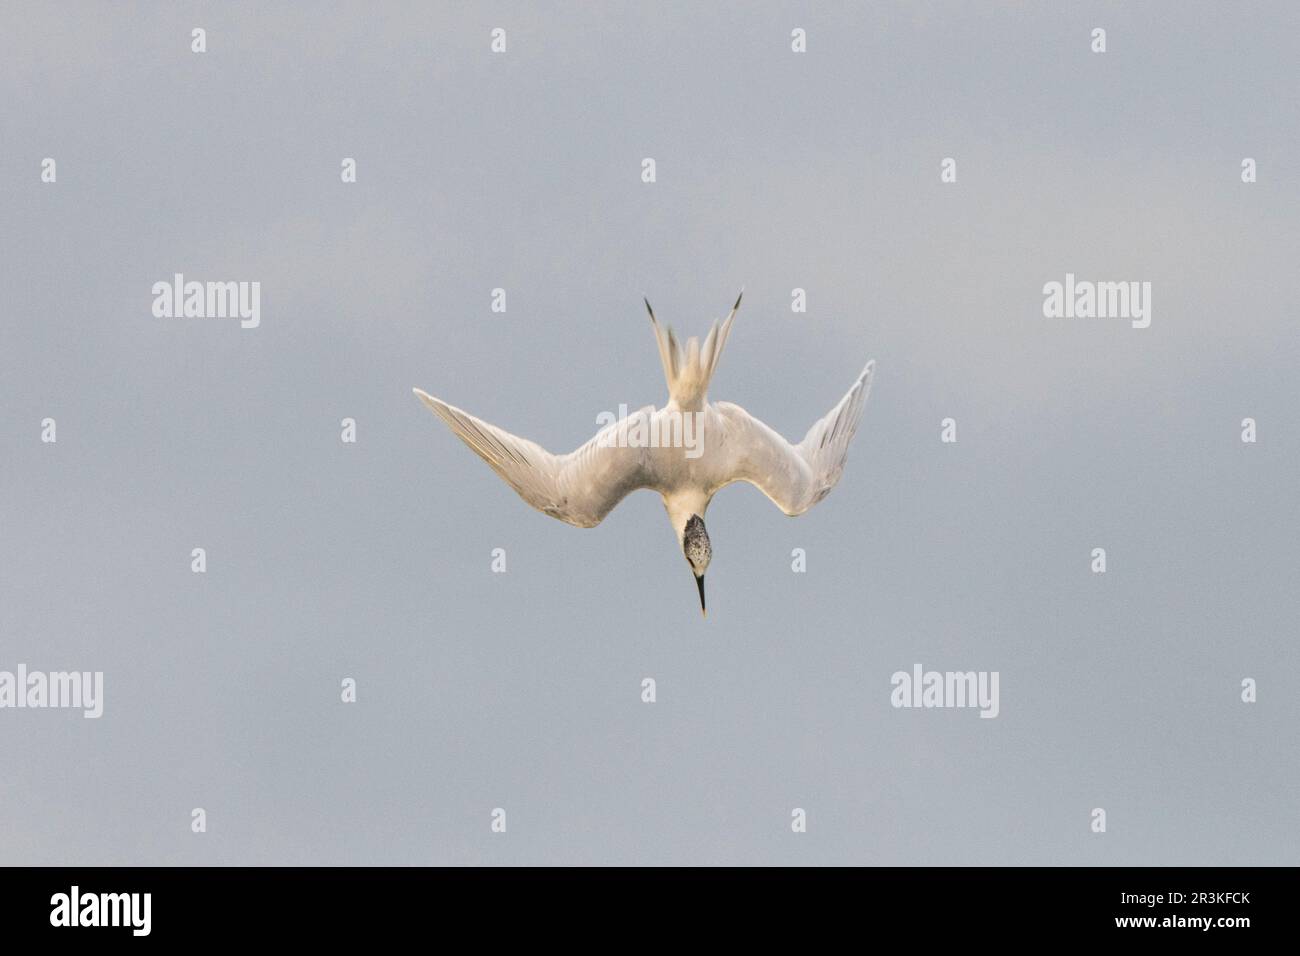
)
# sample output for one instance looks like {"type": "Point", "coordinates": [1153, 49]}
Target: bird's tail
{"type": "Point", "coordinates": [688, 369]}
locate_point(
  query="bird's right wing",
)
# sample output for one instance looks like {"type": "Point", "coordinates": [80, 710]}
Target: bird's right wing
{"type": "Point", "coordinates": [579, 488]}
{"type": "Point", "coordinates": [794, 477]}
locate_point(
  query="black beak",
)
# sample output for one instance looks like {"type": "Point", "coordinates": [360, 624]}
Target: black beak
{"type": "Point", "coordinates": [699, 583]}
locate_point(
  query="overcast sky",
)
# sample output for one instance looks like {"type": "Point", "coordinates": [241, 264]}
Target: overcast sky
{"type": "Point", "coordinates": [775, 171]}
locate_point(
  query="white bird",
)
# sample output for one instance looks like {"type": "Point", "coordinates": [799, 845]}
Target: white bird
{"type": "Point", "coordinates": [585, 485]}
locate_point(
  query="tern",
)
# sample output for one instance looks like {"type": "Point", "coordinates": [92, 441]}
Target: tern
{"type": "Point", "coordinates": [583, 486]}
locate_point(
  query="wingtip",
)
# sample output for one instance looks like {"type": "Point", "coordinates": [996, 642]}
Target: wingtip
{"type": "Point", "coordinates": [426, 398]}
{"type": "Point", "coordinates": [648, 308]}
{"type": "Point", "coordinates": [738, 298]}
{"type": "Point", "coordinates": [867, 379]}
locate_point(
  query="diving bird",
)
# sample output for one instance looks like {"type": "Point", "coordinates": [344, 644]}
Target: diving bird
{"type": "Point", "coordinates": [585, 485]}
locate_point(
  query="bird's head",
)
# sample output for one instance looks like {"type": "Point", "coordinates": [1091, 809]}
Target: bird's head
{"type": "Point", "coordinates": [695, 542]}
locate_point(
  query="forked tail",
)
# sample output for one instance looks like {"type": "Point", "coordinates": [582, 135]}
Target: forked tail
{"type": "Point", "coordinates": [688, 369]}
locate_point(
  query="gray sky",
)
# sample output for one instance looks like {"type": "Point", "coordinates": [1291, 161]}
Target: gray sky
{"type": "Point", "coordinates": [775, 170]}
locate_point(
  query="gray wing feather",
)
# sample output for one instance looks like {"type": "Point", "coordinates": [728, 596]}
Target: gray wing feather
{"type": "Point", "coordinates": [579, 488]}
{"type": "Point", "coordinates": [794, 477]}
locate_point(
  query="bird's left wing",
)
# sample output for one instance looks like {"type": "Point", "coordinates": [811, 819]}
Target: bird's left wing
{"type": "Point", "coordinates": [794, 477]}
{"type": "Point", "coordinates": [579, 488]}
